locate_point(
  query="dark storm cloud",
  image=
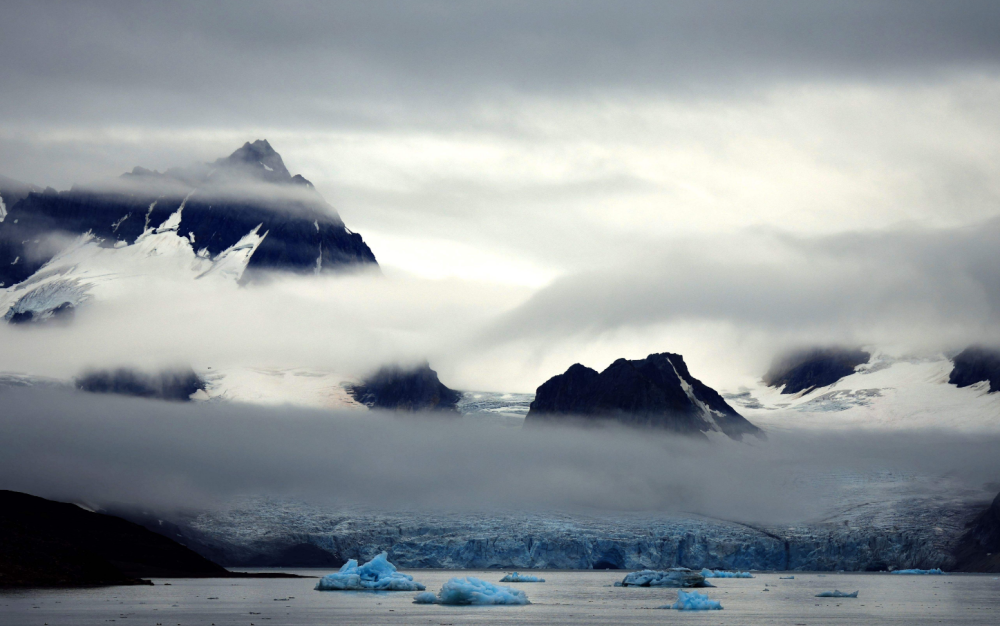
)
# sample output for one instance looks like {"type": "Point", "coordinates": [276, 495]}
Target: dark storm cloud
{"type": "Point", "coordinates": [373, 62]}
{"type": "Point", "coordinates": [102, 449]}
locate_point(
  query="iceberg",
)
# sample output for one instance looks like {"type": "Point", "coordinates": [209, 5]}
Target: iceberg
{"type": "Point", "coordinates": [515, 577]}
{"type": "Point", "coordinates": [837, 594]}
{"type": "Point", "coordinates": [919, 572]}
{"type": "Point", "coordinates": [468, 591]}
{"type": "Point", "coordinates": [707, 573]}
{"type": "Point", "coordinates": [786, 578]}
{"type": "Point", "coordinates": [378, 574]}
{"type": "Point", "coordinates": [693, 601]}
{"type": "Point", "coordinates": [673, 577]}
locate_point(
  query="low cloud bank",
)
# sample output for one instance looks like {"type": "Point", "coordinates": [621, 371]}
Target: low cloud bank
{"type": "Point", "coordinates": [102, 450]}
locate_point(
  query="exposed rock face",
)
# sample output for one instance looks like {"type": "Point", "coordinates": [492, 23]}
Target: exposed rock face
{"type": "Point", "coordinates": [164, 385]}
{"type": "Point", "coordinates": [977, 364]}
{"type": "Point", "coordinates": [11, 192]}
{"type": "Point", "coordinates": [979, 548]}
{"type": "Point", "coordinates": [400, 389]}
{"type": "Point", "coordinates": [815, 367]}
{"type": "Point", "coordinates": [657, 391]}
{"type": "Point", "coordinates": [221, 202]}
{"type": "Point", "coordinates": [45, 543]}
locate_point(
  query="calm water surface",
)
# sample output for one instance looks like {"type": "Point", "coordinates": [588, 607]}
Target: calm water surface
{"type": "Point", "coordinates": [566, 598]}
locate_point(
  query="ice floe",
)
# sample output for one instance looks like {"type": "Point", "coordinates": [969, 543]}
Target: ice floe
{"type": "Point", "coordinates": [515, 577]}
{"type": "Point", "coordinates": [919, 572]}
{"type": "Point", "coordinates": [837, 594]}
{"type": "Point", "coordinates": [708, 573]}
{"type": "Point", "coordinates": [673, 577]}
{"type": "Point", "coordinates": [472, 591]}
{"type": "Point", "coordinates": [377, 574]}
{"type": "Point", "coordinates": [693, 601]}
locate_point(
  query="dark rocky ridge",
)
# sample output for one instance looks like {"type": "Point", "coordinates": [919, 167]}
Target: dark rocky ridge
{"type": "Point", "coordinates": [177, 384]}
{"type": "Point", "coordinates": [648, 392]}
{"type": "Point", "coordinates": [979, 548]}
{"type": "Point", "coordinates": [976, 364]}
{"type": "Point", "coordinates": [45, 543]}
{"type": "Point", "coordinates": [803, 370]}
{"type": "Point", "coordinates": [406, 389]}
{"type": "Point", "coordinates": [223, 201]}
{"type": "Point", "coordinates": [13, 191]}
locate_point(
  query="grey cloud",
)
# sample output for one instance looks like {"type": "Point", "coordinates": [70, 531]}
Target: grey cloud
{"type": "Point", "coordinates": [912, 286]}
{"type": "Point", "coordinates": [102, 449]}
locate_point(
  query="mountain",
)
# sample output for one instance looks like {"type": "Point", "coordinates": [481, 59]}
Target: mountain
{"type": "Point", "coordinates": [657, 391]}
{"type": "Point", "coordinates": [808, 369]}
{"type": "Point", "coordinates": [11, 192]}
{"type": "Point", "coordinates": [890, 391]}
{"type": "Point", "coordinates": [976, 364]}
{"type": "Point", "coordinates": [401, 389]}
{"type": "Point", "coordinates": [215, 206]}
{"type": "Point", "coordinates": [46, 543]}
{"type": "Point", "coordinates": [979, 548]}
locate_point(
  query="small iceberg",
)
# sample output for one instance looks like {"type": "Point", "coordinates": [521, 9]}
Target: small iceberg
{"type": "Point", "coordinates": [472, 591]}
{"type": "Point", "coordinates": [837, 594]}
{"type": "Point", "coordinates": [919, 572]}
{"type": "Point", "coordinates": [378, 574]}
{"type": "Point", "coordinates": [673, 577]}
{"type": "Point", "coordinates": [515, 577]}
{"type": "Point", "coordinates": [693, 601]}
{"type": "Point", "coordinates": [718, 573]}
{"type": "Point", "coordinates": [786, 578]}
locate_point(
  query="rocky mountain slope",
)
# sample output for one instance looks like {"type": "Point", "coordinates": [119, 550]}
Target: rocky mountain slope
{"type": "Point", "coordinates": [657, 391]}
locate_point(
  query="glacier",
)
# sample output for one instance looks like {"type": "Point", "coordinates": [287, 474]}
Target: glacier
{"type": "Point", "coordinates": [693, 601]}
{"type": "Point", "coordinates": [378, 574]}
{"type": "Point", "coordinates": [473, 591]}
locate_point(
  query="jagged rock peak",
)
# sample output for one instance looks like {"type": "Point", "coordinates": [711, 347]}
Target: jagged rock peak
{"type": "Point", "coordinates": [977, 364]}
{"type": "Point", "coordinates": [406, 389]}
{"type": "Point", "coordinates": [262, 160]}
{"type": "Point", "coordinates": [657, 391]}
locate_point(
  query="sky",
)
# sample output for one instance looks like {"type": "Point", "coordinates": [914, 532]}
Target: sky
{"type": "Point", "coordinates": [719, 179]}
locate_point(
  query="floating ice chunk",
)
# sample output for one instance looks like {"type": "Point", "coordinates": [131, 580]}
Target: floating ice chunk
{"type": "Point", "coordinates": [673, 577]}
{"type": "Point", "coordinates": [515, 577]}
{"type": "Point", "coordinates": [708, 573]}
{"type": "Point", "coordinates": [693, 601]}
{"type": "Point", "coordinates": [919, 572]}
{"type": "Point", "coordinates": [837, 594]}
{"type": "Point", "coordinates": [786, 578]}
{"type": "Point", "coordinates": [378, 574]}
{"type": "Point", "coordinates": [466, 591]}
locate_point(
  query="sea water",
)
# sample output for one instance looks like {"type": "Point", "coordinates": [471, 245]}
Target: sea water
{"type": "Point", "coordinates": [567, 597]}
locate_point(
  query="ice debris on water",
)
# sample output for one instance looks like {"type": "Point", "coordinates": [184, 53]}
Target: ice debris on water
{"type": "Point", "coordinates": [718, 573]}
{"type": "Point", "coordinates": [919, 572]}
{"type": "Point", "coordinates": [378, 574]}
{"type": "Point", "coordinates": [673, 577]}
{"type": "Point", "coordinates": [786, 578]}
{"type": "Point", "coordinates": [470, 590]}
{"type": "Point", "coordinates": [515, 577]}
{"type": "Point", "coordinates": [693, 601]}
{"type": "Point", "coordinates": [837, 594]}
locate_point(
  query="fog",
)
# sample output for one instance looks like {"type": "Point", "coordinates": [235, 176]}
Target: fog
{"type": "Point", "coordinates": [106, 449]}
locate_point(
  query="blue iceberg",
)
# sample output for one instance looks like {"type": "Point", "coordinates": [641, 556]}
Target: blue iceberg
{"type": "Point", "coordinates": [708, 573]}
{"type": "Point", "coordinates": [378, 574]}
{"type": "Point", "coordinates": [837, 594]}
{"type": "Point", "coordinates": [468, 591]}
{"type": "Point", "coordinates": [515, 577]}
{"type": "Point", "coordinates": [693, 601]}
{"type": "Point", "coordinates": [919, 572]}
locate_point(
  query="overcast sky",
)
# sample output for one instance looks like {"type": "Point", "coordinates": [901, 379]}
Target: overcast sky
{"type": "Point", "coordinates": [629, 170]}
